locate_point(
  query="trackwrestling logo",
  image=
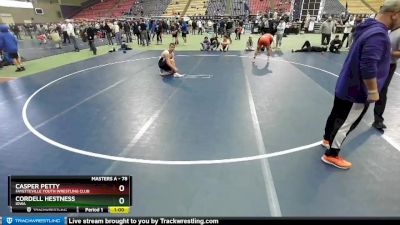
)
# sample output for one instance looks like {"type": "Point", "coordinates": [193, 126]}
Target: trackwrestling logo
{"type": "Point", "coordinates": [39, 220]}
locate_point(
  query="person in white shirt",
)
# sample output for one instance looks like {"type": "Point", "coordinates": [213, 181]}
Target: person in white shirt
{"type": "Point", "coordinates": [71, 34]}
{"type": "Point", "coordinates": [167, 64]}
{"type": "Point", "coordinates": [65, 34]}
{"type": "Point", "coordinates": [279, 33]}
{"type": "Point", "coordinates": [200, 27]}
{"type": "Point", "coordinates": [117, 33]}
{"type": "Point", "coordinates": [209, 24]}
{"type": "Point", "coordinates": [347, 31]}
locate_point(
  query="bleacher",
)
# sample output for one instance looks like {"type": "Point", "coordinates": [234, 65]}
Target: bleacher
{"type": "Point", "coordinates": [333, 7]}
{"type": "Point", "coordinates": [297, 10]}
{"type": "Point", "coordinates": [118, 8]}
{"type": "Point", "coordinates": [359, 7]}
{"type": "Point", "coordinates": [238, 7]}
{"type": "Point", "coordinates": [283, 5]}
{"type": "Point", "coordinates": [176, 7]}
{"type": "Point", "coordinates": [216, 7]}
{"type": "Point", "coordinates": [197, 7]}
{"type": "Point", "coordinates": [99, 10]}
{"type": "Point", "coordinates": [122, 7]}
{"type": "Point", "coordinates": [150, 7]}
{"type": "Point", "coordinates": [263, 6]}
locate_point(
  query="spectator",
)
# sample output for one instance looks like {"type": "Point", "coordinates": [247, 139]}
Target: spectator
{"type": "Point", "coordinates": [347, 29]}
{"type": "Point", "coordinates": [250, 44]}
{"type": "Point", "coordinates": [108, 28]}
{"type": "Point", "coordinates": [308, 48]}
{"type": "Point", "coordinates": [229, 28]}
{"type": "Point", "coordinates": [326, 31]}
{"type": "Point", "coordinates": [335, 45]}
{"type": "Point", "coordinates": [117, 33]}
{"type": "Point", "coordinates": [279, 33]}
{"type": "Point", "coordinates": [194, 27]}
{"type": "Point", "coordinates": [225, 44]}
{"type": "Point", "coordinates": [159, 32]}
{"type": "Point", "coordinates": [65, 33]}
{"type": "Point", "coordinates": [143, 33]}
{"type": "Point", "coordinates": [16, 31]}
{"type": "Point", "coordinates": [9, 44]}
{"type": "Point", "coordinates": [127, 30]}
{"type": "Point", "coordinates": [71, 34]}
{"type": "Point", "coordinates": [124, 46]}
{"type": "Point", "coordinates": [90, 33]}
{"type": "Point", "coordinates": [55, 37]}
{"type": "Point", "coordinates": [200, 27]}
{"type": "Point", "coordinates": [136, 31]}
{"type": "Point", "coordinates": [185, 31]}
{"type": "Point", "coordinates": [174, 33]}
{"type": "Point", "coordinates": [205, 45]}
{"type": "Point", "coordinates": [381, 103]}
{"type": "Point", "coordinates": [214, 42]}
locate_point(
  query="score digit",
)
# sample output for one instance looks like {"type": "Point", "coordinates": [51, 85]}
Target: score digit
{"type": "Point", "coordinates": [121, 188]}
{"type": "Point", "coordinates": [121, 201]}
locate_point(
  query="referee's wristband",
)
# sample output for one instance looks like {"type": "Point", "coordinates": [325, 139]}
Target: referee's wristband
{"type": "Point", "coordinates": [373, 92]}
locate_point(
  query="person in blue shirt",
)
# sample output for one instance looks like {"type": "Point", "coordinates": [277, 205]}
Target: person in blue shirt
{"type": "Point", "coordinates": [185, 31]}
{"type": "Point", "coordinates": [152, 29]}
{"type": "Point", "coordinates": [9, 44]}
{"type": "Point", "coordinates": [361, 79]}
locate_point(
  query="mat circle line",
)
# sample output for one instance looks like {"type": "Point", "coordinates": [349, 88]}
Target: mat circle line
{"type": "Point", "coordinates": [158, 162]}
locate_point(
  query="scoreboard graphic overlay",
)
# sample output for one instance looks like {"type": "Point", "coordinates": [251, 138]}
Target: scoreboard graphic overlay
{"type": "Point", "coordinates": [89, 194]}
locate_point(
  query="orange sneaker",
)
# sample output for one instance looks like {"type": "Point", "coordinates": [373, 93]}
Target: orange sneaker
{"type": "Point", "coordinates": [337, 161]}
{"type": "Point", "coordinates": [325, 143]}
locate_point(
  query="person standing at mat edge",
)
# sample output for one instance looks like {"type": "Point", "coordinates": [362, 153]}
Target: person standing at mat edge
{"type": "Point", "coordinates": [9, 44]}
{"type": "Point", "coordinates": [167, 64]}
{"type": "Point", "coordinates": [90, 33]}
{"type": "Point", "coordinates": [362, 77]}
{"type": "Point", "coordinates": [71, 34]}
{"type": "Point", "coordinates": [381, 103]}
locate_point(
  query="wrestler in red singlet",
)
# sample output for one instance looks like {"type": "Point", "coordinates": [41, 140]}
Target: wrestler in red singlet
{"type": "Point", "coordinates": [264, 41]}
